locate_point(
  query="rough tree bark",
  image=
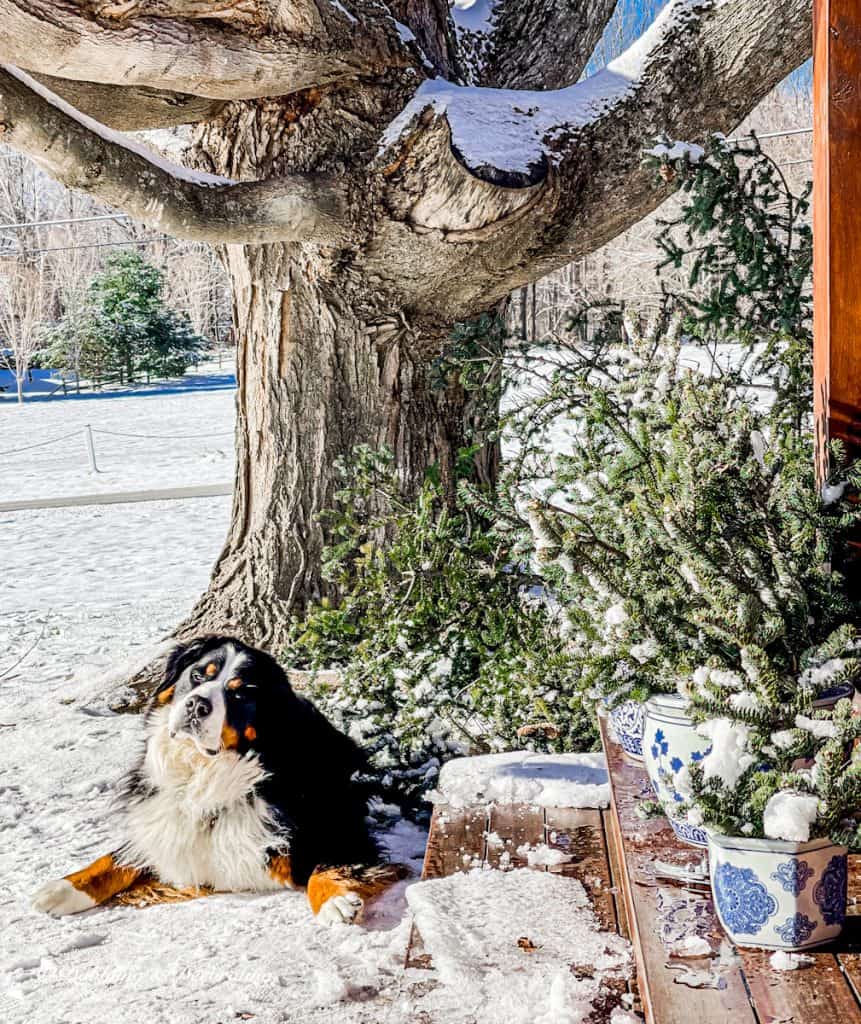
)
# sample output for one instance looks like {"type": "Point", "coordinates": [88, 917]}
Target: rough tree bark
{"type": "Point", "coordinates": [321, 369]}
{"type": "Point", "coordinates": [364, 200]}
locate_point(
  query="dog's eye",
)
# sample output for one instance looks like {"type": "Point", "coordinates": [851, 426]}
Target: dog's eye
{"type": "Point", "coordinates": [196, 675]}
{"type": "Point", "coordinates": [244, 691]}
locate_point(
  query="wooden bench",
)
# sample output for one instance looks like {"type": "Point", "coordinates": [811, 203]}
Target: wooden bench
{"type": "Point", "coordinates": [742, 985]}
{"type": "Point", "coordinates": [458, 841]}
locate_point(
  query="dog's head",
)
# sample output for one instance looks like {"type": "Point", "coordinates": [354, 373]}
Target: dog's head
{"type": "Point", "coordinates": [222, 693]}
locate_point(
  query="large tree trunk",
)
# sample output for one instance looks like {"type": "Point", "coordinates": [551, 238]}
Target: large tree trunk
{"type": "Point", "coordinates": [319, 372]}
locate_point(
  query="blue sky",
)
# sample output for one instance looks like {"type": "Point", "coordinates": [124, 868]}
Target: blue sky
{"type": "Point", "coordinates": [630, 20]}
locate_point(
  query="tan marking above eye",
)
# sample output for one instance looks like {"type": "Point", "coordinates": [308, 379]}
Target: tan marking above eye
{"type": "Point", "coordinates": [250, 733]}
{"type": "Point", "coordinates": [165, 695]}
{"type": "Point", "coordinates": [211, 670]}
{"type": "Point", "coordinates": [234, 683]}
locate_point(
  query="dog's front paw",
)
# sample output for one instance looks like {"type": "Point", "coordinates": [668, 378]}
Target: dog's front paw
{"type": "Point", "coordinates": [60, 897]}
{"type": "Point", "coordinates": [343, 909]}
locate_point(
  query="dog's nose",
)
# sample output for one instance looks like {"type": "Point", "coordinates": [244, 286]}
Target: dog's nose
{"type": "Point", "coordinates": [197, 706]}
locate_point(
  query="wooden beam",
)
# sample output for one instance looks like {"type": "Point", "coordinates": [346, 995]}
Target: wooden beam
{"type": "Point", "coordinates": [837, 224]}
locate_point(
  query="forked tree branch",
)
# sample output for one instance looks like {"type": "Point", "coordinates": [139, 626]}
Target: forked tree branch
{"type": "Point", "coordinates": [197, 56]}
{"type": "Point", "coordinates": [132, 108]}
{"type": "Point", "coordinates": [91, 158]}
{"type": "Point", "coordinates": [575, 155]}
{"type": "Point", "coordinates": [543, 44]}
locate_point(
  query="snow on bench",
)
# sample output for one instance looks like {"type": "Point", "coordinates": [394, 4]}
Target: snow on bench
{"type": "Point", "coordinates": [523, 777]}
{"type": "Point", "coordinates": [518, 901]}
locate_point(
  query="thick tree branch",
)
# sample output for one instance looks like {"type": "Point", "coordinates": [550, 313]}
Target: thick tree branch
{"type": "Point", "coordinates": [132, 108]}
{"type": "Point", "coordinates": [187, 55]}
{"type": "Point", "coordinates": [701, 68]}
{"type": "Point", "coordinates": [543, 44]}
{"type": "Point", "coordinates": [301, 16]}
{"type": "Point", "coordinates": [90, 157]}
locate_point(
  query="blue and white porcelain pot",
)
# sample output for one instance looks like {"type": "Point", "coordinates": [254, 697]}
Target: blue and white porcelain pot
{"type": "Point", "coordinates": [778, 895]}
{"type": "Point", "coordinates": [828, 698]}
{"type": "Point", "coordinates": [627, 720]}
{"type": "Point", "coordinates": [670, 744]}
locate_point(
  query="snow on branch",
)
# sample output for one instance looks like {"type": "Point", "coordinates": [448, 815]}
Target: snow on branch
{"type": "Point", "coordinates": [86, 155]}
{"type": "Point", "coordinates": [197, 55]}
{"type": "Point", "coordinates": [699, 69]}
{"type": "Point", "coordinates": [517, 131]}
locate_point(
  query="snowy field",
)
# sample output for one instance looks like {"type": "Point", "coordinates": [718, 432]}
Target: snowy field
{"type": "Point", "coordinates": [167, 436]}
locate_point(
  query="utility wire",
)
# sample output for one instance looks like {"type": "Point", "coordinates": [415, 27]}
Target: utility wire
{"type": "Point", "coordinates": [65, 220]}
{"type": "Point", "coordinates": [92, 245]}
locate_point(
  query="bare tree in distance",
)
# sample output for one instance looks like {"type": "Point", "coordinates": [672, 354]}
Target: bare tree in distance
{"type": "Point", "coordinates": [625, 268]}
{"type": "Point", "coordinates": [365, 200]}
{"type": "Point", "coordinates": [21, 305]}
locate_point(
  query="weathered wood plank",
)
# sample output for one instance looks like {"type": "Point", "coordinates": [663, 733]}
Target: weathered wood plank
{"type": "Point", "coordinates": [457, 838]}
{"type": "Point", "coordinates": [579, 833]}
{"type": "Point", "coordinates": [659, 915]}
{"type": "Point", "coordinates": [511, 828]}
{"type": "Point", "coordinates": [819, 992]}
{"type": "Point", "coordinates": [614, 861]}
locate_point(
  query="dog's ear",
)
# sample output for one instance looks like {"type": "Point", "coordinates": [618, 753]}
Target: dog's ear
{"type": "Point", "coordinates": [178, 660]}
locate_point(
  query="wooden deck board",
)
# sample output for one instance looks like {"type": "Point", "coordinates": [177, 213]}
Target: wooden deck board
{"type": "Point", "coordinates": [615, 864]}
{"type": "Point", "coordinates": [748, 987]}
{"type": "Point", "coordinates": [580, 834]}
{"type": "Point", "coordinates": [498, 837]}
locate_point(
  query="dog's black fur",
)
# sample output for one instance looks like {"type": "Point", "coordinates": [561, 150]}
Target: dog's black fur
{"type": "Point", "coordinates": [319, 808]}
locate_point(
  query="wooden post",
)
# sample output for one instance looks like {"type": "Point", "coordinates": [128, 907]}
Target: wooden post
{"type": "Point", "coordinates": [837, 225]}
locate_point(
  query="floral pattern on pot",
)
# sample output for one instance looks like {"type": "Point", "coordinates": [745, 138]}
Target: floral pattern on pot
{"type": "Point", "coordinates": [627, 720]}
{"type": "Point", "coordinates": [795, 931]}
{"type": "Point", "coordinates": [744, 902]}
{"type": "Point", "coordinates": [671, 744]}
{"type": "Point", "coordinates": [829, 892]}
{"type": "Point", "coordinates": [798, 878]}
{"type": "Point", "coordinates": [668, 766]}
{"type": "Point", "coordinates": [793, 875]}
{"type": "Point", "coordinates": [688, 833]}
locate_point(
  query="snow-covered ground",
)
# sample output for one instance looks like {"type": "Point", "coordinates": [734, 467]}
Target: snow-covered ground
{"type": "Point", "coordinates": [89, 593]}
{"type": "Point", "coordinates": [181, 433]}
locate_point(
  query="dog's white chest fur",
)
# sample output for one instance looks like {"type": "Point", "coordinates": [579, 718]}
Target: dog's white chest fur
{"type": "Point", "coordinates": [203, 824]}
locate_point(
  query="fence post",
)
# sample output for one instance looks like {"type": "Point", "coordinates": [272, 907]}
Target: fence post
{"type": "Point", "coordinates": [91, 448]}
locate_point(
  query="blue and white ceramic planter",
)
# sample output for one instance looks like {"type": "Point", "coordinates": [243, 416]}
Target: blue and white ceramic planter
{"type": "Point", "coordinates": [777, 895]}
{"type": "Point", "coordinates": [828, 698]}
{"type": "Point", "coordinates": [627, 720]}
{"type": "Point", "coordinates": [670, 744]}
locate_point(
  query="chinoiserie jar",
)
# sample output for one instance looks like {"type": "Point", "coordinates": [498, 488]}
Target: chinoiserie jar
{"type": "Point", "coordinates": [627, 721]}
{"type": "Point", "coordinates": [774, 894]}
{"type": "Point", "coordinates": [670, 744]}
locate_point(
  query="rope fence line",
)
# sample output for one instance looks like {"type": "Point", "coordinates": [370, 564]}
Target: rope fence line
{"type": "Point", "coordinates": [88, 431]}
{"type": "Point", "coordinates": [40, 444]}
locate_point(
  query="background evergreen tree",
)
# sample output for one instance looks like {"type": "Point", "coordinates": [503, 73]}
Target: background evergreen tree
{"type": "Point", "coordinates": [124, 329]}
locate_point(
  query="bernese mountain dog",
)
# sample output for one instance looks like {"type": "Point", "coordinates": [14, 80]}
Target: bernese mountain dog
{"type": "Point", "coordinates": [242, 784]}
